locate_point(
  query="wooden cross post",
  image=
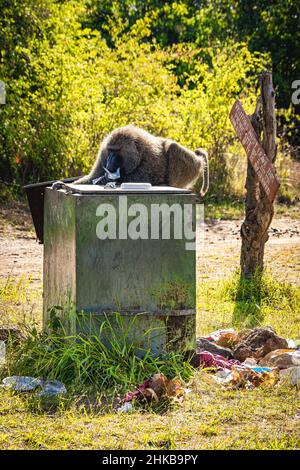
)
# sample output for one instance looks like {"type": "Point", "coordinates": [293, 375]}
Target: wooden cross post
{"type": "Point", "coordinates": [262, 182]}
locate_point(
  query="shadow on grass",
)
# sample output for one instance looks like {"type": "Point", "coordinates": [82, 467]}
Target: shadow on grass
{"type": "Point", "coordinates": [248, 298]}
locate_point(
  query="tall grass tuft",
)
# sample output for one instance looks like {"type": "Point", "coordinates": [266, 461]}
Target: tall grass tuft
{"type": "Point", "coordinates": [107, 361]}
{"type": "Point", "coordinates": [242, 303]}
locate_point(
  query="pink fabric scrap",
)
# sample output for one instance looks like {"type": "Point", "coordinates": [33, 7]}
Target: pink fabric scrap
{"type": "Point", "coordinates": [139, 391]}
{"type": "Point", "coordinates": [207, 359]}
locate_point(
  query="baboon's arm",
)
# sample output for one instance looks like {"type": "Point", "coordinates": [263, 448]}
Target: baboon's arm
{"type": "Point", "coordinates": [96, 172]}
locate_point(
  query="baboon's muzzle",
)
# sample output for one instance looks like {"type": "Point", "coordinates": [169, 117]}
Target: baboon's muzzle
{"type": "Point", "coordinates": [112, 166]}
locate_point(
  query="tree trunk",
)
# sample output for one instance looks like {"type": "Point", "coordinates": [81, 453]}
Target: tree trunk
{"type": "Point", "coordinates": [259, 210]}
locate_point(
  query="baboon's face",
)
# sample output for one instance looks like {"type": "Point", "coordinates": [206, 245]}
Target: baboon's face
{"type": "Point", "coordinates": [112, 164]}
{"type": "Point", "coordinates": [118, 150]}
{"type": "Point", "coordinates": [113, 160]}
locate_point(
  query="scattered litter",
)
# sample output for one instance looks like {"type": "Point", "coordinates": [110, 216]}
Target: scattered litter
{"type": "Point", "coordinates": [204, 344]}
{"type": "Point", "coordinates": [246, 360]}
{"type": "Point", "coordinates": [21, 383]}
{"type": "Point", "coordinates": [258, 343]}
{"type": "Point", "coordinates": [111, 185]}
{"type": "Point", "coordinates": [126, 408]}
{"type": "Point", "coordinates": [261, 370]}
{"type": "Point", "coordinates": [46, 388]}
{"type": "Point", "coordinates": [139, 392]}
{"type": "Point", "coordinates": [208, 360]}
{"type": "Point", "coordinates": [223, 376]}
{"type": "Point", "coordinates": [250, 362]}
{"type": "Point", "coordinates": [156, 388]}
{"type": "Point", "coordinates": [258, 361]}
{"type": "Point", "coordinates": [250, 378]}
{"type": "Point", "coordinates": [216, 335]}
{"type": "Point", "coordinates": [282, 358]}
{"type": "Point", "coordinates": [293, 343]}
{"type": "Point", "coordinates": [228, 339]}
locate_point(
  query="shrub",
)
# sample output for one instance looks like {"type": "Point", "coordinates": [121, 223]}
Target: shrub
{"type": "Point", "coordinates": [67, 89]}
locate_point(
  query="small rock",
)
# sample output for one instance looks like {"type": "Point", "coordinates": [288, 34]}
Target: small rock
{"type": "Point", "coordinates": [51, 388]}
{"type": "Point", "coordinates": [206, 345]}
{"type": "Point", "coordinates": [21, 383]}
{"type": "Point", "coordinates": [292, 375]}
{"type": "Point", "coordinates": [281, 358]}
{"type": "Point", "coordinates": [215, 335]}
{"type": "Point", "coordinates": [258, 343]}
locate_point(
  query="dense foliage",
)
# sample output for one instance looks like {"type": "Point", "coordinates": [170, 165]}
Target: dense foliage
{"type": "Point", "coordinates": [267, 26]}
{"type": "Point", "coordinates": [74, 70]}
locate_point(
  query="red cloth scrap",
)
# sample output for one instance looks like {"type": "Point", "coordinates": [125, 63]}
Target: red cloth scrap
{"type": "Point", "coordinates": [208, 359]}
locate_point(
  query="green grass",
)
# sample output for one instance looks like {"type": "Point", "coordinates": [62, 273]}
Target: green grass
{"type": "Point", "coordinates": [245, 304]}
{"type": "Point", "coordinates": [105, 361]}
{"type": "Point", "coordinates": [14, 290]}
{"type": "Point", "coordinates": [225, 210]}
{"type": "Point", "coordinates": [211, 417]}
{"type": "Point", "coordinates": [235, 209]}
{"type": "Point", "coordinates": [17, 301]}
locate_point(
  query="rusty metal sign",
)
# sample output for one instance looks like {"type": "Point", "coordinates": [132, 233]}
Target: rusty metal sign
{"type": "Point", "coordinates": [260, 162]}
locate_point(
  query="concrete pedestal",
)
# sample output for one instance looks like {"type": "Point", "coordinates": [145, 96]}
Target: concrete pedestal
{"type": "Point", "coordinates": [151, 282]}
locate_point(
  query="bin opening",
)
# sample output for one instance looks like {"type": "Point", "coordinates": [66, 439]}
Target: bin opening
{"type": "Point", "coordinates": [35, 195]}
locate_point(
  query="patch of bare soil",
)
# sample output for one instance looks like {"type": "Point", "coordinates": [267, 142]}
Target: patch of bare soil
{"type": "Point", "coordinates": [21, 254]}
{"type": "Point", "coordinates": [222, 249]}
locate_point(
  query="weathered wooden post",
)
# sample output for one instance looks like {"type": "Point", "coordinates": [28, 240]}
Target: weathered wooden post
{"type": "Point", "coordinates": [262, 182]}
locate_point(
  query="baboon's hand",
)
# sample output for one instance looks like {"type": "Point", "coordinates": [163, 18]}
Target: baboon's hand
{"type": "Point", "coordinates": [102, 180]}
{"type": "Point", "coordinates": [58, 185]}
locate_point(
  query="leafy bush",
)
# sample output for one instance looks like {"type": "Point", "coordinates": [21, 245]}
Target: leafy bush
{"type": "Point", "coordinates": [67, 89]}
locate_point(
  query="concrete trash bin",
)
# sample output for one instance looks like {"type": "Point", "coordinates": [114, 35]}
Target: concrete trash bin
{"type": "Point", "coordinates": [129, 250]}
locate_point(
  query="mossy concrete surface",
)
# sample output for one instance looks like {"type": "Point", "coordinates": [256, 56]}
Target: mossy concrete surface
{"type": "Point", "coordinates": [154, 278]}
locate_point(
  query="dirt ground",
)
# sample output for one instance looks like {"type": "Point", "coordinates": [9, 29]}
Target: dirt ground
{"type": "Point", "coordinates": [223, 244]}
{"type": "Point", "coordinates": [211, 417]}
{"type": "Point", "coordinates": [21, 254]}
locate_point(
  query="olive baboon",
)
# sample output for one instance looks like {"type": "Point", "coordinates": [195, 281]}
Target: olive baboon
{"type": "Point", "coordinates": [130, 154]}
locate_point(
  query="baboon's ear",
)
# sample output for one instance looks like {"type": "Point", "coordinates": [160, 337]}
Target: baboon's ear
{"type": "Point", "coordinates": [131, 157]}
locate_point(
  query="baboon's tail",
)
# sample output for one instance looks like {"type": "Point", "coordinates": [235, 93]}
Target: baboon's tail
{"type": "Point", "coordinates": [205, 182]}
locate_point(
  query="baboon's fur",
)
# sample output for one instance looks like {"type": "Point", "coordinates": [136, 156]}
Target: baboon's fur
{"type": "Point", "coordinates": [149, 159]}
